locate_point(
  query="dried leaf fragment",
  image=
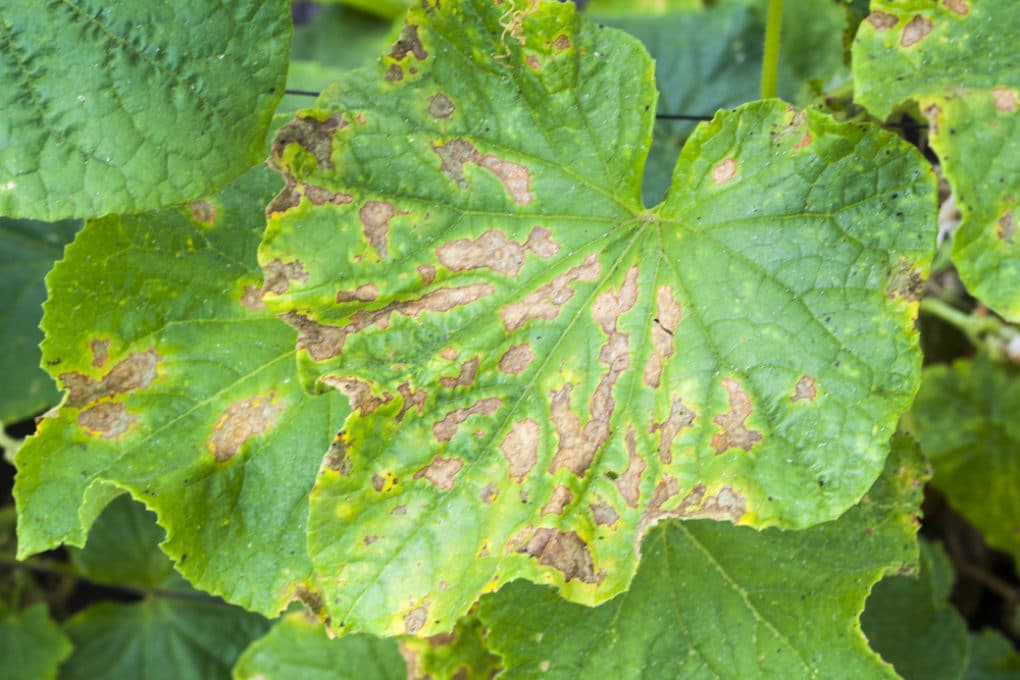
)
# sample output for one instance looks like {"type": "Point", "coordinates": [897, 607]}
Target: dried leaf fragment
{"type": "Point", "coordinates": [564, 551]}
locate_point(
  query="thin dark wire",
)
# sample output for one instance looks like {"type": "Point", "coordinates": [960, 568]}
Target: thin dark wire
{"type": "Point", "coordinates": [906, 124]}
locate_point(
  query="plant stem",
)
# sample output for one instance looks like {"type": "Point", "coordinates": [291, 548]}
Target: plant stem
{"type": "Point", "coordinates": [9, 444]}
{"type": "Point", "coordinates": [770, 62]}
{"type": "Point", "coordinates": [974, 327]}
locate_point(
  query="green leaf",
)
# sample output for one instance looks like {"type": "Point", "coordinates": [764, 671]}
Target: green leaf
{"type": "Point", "coordinates": [386, 9]}
{"type": "Point", "coordinates": [182, 390]}
{"type": "Point", "coordinates": [27, 251]}
{"type": "Point", "coordinates": [298, 647]}
{"type": "Point", "coordinates": [540, 367]}
{"type": "Point", "coordinates": [131, 106]}
{"type": "Point", "coordinates": [341, 38]}
{"type": "Point", "coordinates": [965, 419]}
{"type": "Point", "coordinates": [992, 657]}
{"type": "Point", "coordinates": [910, 622]}
{"type": "Point", "coordinates": [713, 600]}
{"type": "Point", "coordinates": [459, 655]}
{"type": "Point", "coordinates": [954, 62]}
{"type": "Point", "coordinates": [32, 645]}
{"type": "Point", "coordinates": [168, 638]}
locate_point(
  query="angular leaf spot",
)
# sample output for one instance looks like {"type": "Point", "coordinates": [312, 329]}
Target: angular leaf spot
{"type": "Point", "coordinates": [240, 422]}
{"type": "Point", "coordinates": [358, 393]}
{"type": "Point", "coordinates": [277, 275]}
{"type": "Point", "coordinates": [663, 327]}
{"type": "Point", "coordinates": [679, 417]}
{"type": "Point", "coordinates": [408, 43]}
{"type": "Point", "coordinates": [959, 6]}
{"type": "Point", "coordinates": [564, 551]}
{"type": "Point", "coordinates": [1005, 99]}
{"type": "Point", "coordinates": [515, 177]}
{"type": "Point", "coordinates": [520, 448]}
{"type": "Point", "coordinates": [337, 457]}
{"type": "Point", "coordinates": [489, 493]}
{"type": "Point", "coordinates": [805, 389]}
{"type": "Point", "coordinates": [440, 472]}
{"type": "Point", "coordinates": [463, 379]}
{"type": "Point", "coordinates": [415, 619]}
{"type": "Point", "coordinates": [203, 211]}
{"type": "Point", "coordinates": [375, 219]}
{"type": "Point", "coordinates": [516, 359]}
{"type": "Point", "coordinates": [440, 106]}
{"type": "Point", "coordinates": [905, 283]}
{"type": "Point", "coordinates": [545, 302]}
{"type": "Point", "coordinates": [604, 514]}
{"type": "Point", "coordinates": [412, 399]}
{"type": "Point", "coordinates": [321, 195]}
{"type": "Point", "coordinates": [363, 293]}
{"type": "Point", "coordinates": [137, 371]}
{"type": "Point", "coordinates": [916, 30]}
{"type": "Point", "coordinates": [322, 342]}
{"type": "Point", "coordinates": [444, 429]}
{"type": "Point", "coordinates": [251, 299]}
{"type": "Point", "coordinates": [1007, 228]}
{"type": "Point", "coordinates": [561, 498]}
{"type": "Point", "coordinates": [493, 250]}
{"type": "Point", "coordinates": [882, 21]}
{"type": "Point", "coordinates": [316, 136]}
{"type": "Point", "coordinates": [107, 420]}
{"type": "Point", "coordinates": [629, 483]}
{"type": "Point", "coordinates": [726, 505]}
{"type": "Point", "coordinates": [100, 352]}
{"type": "Point", "coordinates": [734, 434]}
{"type": "Point", "coordinates": [725, 171]}
{"type": "Point", "coordinates": [427, 273]}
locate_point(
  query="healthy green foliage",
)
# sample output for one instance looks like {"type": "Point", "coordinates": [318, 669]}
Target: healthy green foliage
{"type": "Point", "coordinates": [992, 657]}
{"type": "Point", "coordinates": [27, 251]}
{"type": "Point", "coordinates": [31, 644]}
{"type": "Point", "coordinates": [166, 102]}
{"type": "Point", "coordinates": [540, 367]}
{"type": "Point", "coordinates": [965, 418]}
{"type": "Point", "coordinates": [701, 606]}
{"type": "Point", "coordinates": [923, 53]}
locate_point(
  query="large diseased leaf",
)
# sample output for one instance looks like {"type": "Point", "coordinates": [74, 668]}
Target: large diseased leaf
{"type": "Point", "coordinates": [711, 600]}
{"type": "Point", "coordinates": [181, 388]}
{"type": "Point", "coordinates": [957, 61]}
{"type": "Point", "coordinates": [27, 251]}
{"type": "Point", "coordinates": [540, 367]}
{"type": "Point", "coordinates": [131, 106]}
{"type": "Point", "coordinates": [965, 417]}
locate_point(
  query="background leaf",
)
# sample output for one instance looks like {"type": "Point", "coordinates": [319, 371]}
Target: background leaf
{"type": "Point", "coordinates": [540, 367]}
{"type": "Point", "coordinates": [32, 645]}
{"type": "Point", "coordinates": [965, 419]}
{"type": "Point", "coordinates": [992, 657]}
{"type": "Point", "coordinates": [713, 600]}
{"type": "Point", "coordinates": [951, 61]}
{"type": "Point", "coordinates": [298, 647]}
{"type": "Point", "coordinates": [27, 251]}
{"type": "Point", "coordinates": [181, 390]}
{"type": "Point", "coordinates": [459, 655]}
{"type": "Point", "coordinates": [137, 105]}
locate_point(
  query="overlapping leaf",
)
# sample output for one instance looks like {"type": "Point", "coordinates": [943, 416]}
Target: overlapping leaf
{"type": "Point", "coordinates": [965, 417]}
{"type": "Point", "coordinates": [956, 61]}
{"type": "Point", "coordinates": [541, 368]}
{"type": "Point", "coordinates": [31, 643]}
{"type": "Point", "coordinates": [711, 600]}
{"type": "Point", "coordinates": [27, 251]}
{"type": "Point", "coordinates": [131, 106]}
{"type": "Point", "coordinates": [181, 389]}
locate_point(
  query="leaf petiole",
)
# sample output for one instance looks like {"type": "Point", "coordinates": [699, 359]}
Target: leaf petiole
{"type": "Point", "coordinates": [770, 62]}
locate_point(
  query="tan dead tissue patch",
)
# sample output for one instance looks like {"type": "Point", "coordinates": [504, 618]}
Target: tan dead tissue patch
{"type": "Point", "coordinates": [905, 283]}
{"type": "Point", "coordinates": [394, 74]}
{"type": "Point", "coordinates": [375, 217]}
{"type": "Point", "coordinates": [203, 211]}
{"type": "Point", "coordinates": [320, 341]}
{"type": "Point", "coordinates": [364, 293]}
{"type": "Point", "coordinates": [725, 171]}
{"type": "Point", "coordinates": [664, 324]}
{"type": "Point", "coordinates": [415, 619]}
{"type": "Point", "coordinates": [493, 250]}
{"type": "Point", "coordinates": [562, 42]}
{"type": "Point", "coordinates": [629, 483]}
{"type": "Point", "coordinates": [604, 514]}
{"type": "Point", "coordinates": [516, 359]}
{"type": "Point", "coordinates": [338, 457]}
{"type": "Point", "coordinates": [358, 392]}
{"type": "Point", "coordinates": [727, 505]}
{"type": "Point", "coordinates": [135, 372]}
{"type": "Point", "coordinates": [577, 447]}
{"type": "Point", "coordinates": [932, 113]}
{"type": "Point", "coordinates": [311, 599]}
{"type": "Point", "coordinates": [1007, 228]}
{"type": "Point", "coordinates": [545, 303]}
{"type": "Point", "coordinates": [533, 63]}
{"type": "Point", "coordinates": [449, 353]}
{"type": "Point", "coordinates": [882, 21]}
{"type": "Point", "coordinates": [488, 493]}
{"type": "Point", "coordinates": [408, 43]}
{"type": "Point", "coordinates": [100, 352]}
{"type": "Point", "coordinates": [440, 472]}
{"type": "Point", "coordinates": [277, 275]}
{"type": "Point", "coordinates": [564, 551]}
{"type": "Point", "coordinates": [805, 389]}
{"type": "Point", "coordinates": [1005, 99]}
{"type": "Point", "coordinates": [734, 434]}
{"type": "Point", "coordinates": [520, 448]}
{"type": "Point", "coordinates": [427, 273]}
{"type": "Point", "coordinates": [516, 178]}
{"type": "Point", "coordinates": [561, 498]}
{"type": "Point", "coordinates": [369, 540]}
{"type": "Point", "coordinates": [379, 483]}
{"type": "Point", "coordinates": [285, 200]}
{"type": "Point", "coordinates": [398, 511]}
{"type": "Point", "coordinates": [240, 422]}
{"type": "Point", "coordinates": [959, 6]}
{"type": "Point", "coordinates": [680, 417]}
{"type": "Point", "coordinates": [804, 142]}
{"type": "Point", "coordinates": [916, 30]}
{"type": "Point", "coordinates": [321, 195]}
{"type": "Point", "coordinates": [316, 136]}
{"type": "Point", "coordinates": [108, 420]}
{"type": "Point", "coordinates": [251, 299]}
{"type": "Point", "coordinates": [440, 106]}
{"type": "Point", "coordinates": [464, 378]}
{"type": "Point", "coordinates": [412, 399]}
{"type": "Point", "coordinates": [444, 429]}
